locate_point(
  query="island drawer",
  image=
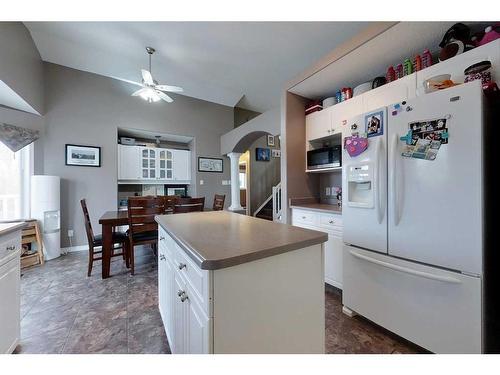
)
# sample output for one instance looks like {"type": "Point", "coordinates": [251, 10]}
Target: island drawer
{"type": "Point", "coordinates": [10, 244]}
{"type": "Point", "coordinates": [198, 279]}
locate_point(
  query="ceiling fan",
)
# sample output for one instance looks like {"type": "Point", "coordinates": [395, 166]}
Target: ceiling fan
{"type": "Point", "coordinates": [151, 91]}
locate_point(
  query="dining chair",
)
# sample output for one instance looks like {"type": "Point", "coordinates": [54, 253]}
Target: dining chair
{"type": "Point", "coordinates": [95, 241]}
{"type": "Point", "coordinates": [143, 229]}
{"type": "Point", "coordinates": [184, 205]}
{"type": "Point", "coordinates": [169, 201]}
{"type": "Point", "coordinates": [219, 202]}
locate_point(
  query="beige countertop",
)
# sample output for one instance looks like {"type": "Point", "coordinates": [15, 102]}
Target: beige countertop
{"type": "Point", "coordinates": [221, 239]}
{"type": "Point", "coordinates": [329, 208]}
{"type": "Point", "coordinates": [6, 228]}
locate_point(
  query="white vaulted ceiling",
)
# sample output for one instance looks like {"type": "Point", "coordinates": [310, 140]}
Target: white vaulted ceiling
{"type": "Point", "coordinates": [219, 62]}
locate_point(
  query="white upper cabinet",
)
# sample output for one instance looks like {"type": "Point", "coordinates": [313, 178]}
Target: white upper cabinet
{"type": "Point", "coordinates": [319, 124]}
{"type": "Point", "coordinates": [129, 163]}
{"type": "Point", "coordinates": [344, 111]}
{"type": "Point", "coordinates": [182, 165]}
{"type": "Point", "coordinates": [151, 164]}
{"type": "Point", "coordinates": [393, 92]}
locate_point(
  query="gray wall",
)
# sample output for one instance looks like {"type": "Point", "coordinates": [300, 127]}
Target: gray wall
{"type": "Point", "coordinates": [21, 67]}
{"type": "Point", "coordinates": [242, 115]}
{"type": "Point", "coordinates": [297, 183]}
{"type": "Point", "coordinates": [85, 108]}
{"type": "Point", "coordinates": [241, 138]}
{"type": "Point", "coordinates": [263, 174]}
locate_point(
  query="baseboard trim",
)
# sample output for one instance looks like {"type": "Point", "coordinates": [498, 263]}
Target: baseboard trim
{"type": "Point", "coordinates": [72, 249]}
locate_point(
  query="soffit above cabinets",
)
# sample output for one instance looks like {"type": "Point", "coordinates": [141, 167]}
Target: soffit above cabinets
{"type": "Point", "coordinates": [370, 60]}
{"type": "Point", "coordinates": [146, 134]}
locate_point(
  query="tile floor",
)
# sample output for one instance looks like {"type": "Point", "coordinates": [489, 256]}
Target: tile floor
{"type": "Point", "coordinates": [63, 311]}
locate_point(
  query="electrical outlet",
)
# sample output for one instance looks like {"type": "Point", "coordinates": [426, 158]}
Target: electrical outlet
{"type": "Point", "coordinates": [202, 182]}
{"type": "Point", "coordinates": [327, 191]}
{"type": "Point", "coordinates": [70, 233]}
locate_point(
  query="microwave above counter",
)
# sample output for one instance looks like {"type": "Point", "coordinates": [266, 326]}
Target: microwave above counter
{"type": "Point", "coordinates": [324, 159]}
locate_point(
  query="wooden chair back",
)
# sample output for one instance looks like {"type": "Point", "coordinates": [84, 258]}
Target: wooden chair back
{"type": "Point", "coordinates": [88, 224]}
{"type": "Point", "coordinates": [219, 202]}
{"type": "Point", "coordinates": [184, 205]}
{"type": "Point", "coordinates": [142, 212]}
{"type": "Point", "coordinates": [169, 201]}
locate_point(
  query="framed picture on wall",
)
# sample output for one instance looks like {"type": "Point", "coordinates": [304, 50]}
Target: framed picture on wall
{"type": "Point", "coordinates": [270, 140]}
{"type": "Point", "coordinates": [83, 156]}
{"type": "Point", "coordinates": [262, 154]}
{"type": "Point", "coordinates": [210, 165]}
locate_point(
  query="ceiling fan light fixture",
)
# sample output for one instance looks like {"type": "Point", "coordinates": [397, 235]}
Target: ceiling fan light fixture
{"type": "Point", "coordinates": [150, 95]}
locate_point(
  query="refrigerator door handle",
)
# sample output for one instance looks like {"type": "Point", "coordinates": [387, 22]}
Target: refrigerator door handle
{"type": "Point", "coordinates": [395, 267]}
{"type": "Point", "coordinates": [380, 185]}
{"type": "Point", "coordinates": [395, 197]}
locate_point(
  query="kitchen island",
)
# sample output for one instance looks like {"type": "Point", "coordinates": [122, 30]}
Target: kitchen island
{"type": "Point", "coordinates": [230, 283]}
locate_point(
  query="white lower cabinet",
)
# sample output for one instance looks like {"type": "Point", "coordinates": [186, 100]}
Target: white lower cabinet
{"type": "Point", "coordinates": [10, 305]}
{"type": "Point", "coordinates": [332, 225]}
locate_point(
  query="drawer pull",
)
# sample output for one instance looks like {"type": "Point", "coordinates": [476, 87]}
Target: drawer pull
{"type": "Point", "coordinates": [180, 293]}
{"type": "Point", "coordinates": [11, 248]}
{"type": "Point", "coordinates": [182, 265]}
{"type": "Point", "coordinates": [331, 222]}
{"type": "Point", "coordinates": [184, 297]}
{"type": "Point", "coordinates": [162, 257]}
{"type": "Point", "coordinates": [303, 217]}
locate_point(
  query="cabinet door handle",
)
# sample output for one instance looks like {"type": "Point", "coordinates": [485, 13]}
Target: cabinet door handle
{"type": "Point", "coordinates": [184, 297]}
{"type": "Point", "coordinates": [162, 238]}
{"type": "Point", "coordinates": [181, 293]}
{"type": "Point", "coordinates": [182, 265]}
{"type": "Point", "coordinates": [329, 131]}
{"type": "Point", "coordinates": [162, 257]}
{"type": "Point", "coordinates": [11, 248]}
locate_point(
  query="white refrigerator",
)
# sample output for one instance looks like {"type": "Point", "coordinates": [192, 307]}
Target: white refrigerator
{"type": "Point", "coordinates": [413, 219]}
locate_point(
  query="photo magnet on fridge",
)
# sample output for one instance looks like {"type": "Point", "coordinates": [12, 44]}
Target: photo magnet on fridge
{"type": "Point", "coordinates": [374, 123]}
{"type": "Point", "coordinates": [424, 139]}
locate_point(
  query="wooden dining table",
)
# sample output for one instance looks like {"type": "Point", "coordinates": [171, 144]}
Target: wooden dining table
{"type": "Point", "coordinates": [109, 220]}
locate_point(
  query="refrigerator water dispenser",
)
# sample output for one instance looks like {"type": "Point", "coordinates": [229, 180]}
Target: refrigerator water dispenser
{"type": "Point", "coordinates": [360, 192]}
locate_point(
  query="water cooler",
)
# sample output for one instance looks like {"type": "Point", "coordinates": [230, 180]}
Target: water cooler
{"type": "Point", "coordinates": [46, 208]}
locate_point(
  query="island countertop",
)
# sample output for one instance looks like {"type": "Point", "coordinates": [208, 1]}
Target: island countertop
{"type": "Point", "coordinates": [221, 239]}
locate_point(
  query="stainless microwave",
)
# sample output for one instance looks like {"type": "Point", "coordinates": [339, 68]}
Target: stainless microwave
{"type": "Point", "coordinates": [326, 157]}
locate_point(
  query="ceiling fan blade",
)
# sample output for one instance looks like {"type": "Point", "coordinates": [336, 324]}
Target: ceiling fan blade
{"type": "Point", "coordinates": [164, 96]}
{"type": "Point", "coordinates": [147, 77]}
{"type": "Point", "coordinates": [169, 88]}
{"type": "Point", "coordinates": [128, 81]}
{"type": "Point", "coordinates": [139, 92]}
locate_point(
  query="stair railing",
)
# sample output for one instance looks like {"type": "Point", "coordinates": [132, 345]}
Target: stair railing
{"type": "Point", "coordinates": [276, 198]}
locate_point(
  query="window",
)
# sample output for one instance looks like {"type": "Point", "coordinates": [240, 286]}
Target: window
{"type": "Point", "coordinates": [15, 172]}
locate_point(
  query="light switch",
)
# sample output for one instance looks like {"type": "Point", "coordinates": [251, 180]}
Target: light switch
{"type": "Point", "coordinates": [202, 182]}
{"type": "Point", "coordinates": [327, 192]}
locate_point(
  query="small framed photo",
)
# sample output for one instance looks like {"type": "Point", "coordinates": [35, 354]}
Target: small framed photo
{"type": "Point", "coordinates": [262, 154]}
{"type": "Point", "coordinates": [210, 165]}
{"type": "Point", "coordinates": [270, 140]}
{"type": "Point", "coordinates": [83, 156]}
{"type": "Point", "coordinates": [374, 124]}
{"type": "Point", "coordinates": [276, 153]}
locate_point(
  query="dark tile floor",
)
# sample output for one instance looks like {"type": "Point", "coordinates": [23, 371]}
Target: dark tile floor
{"type": "Point", "coordinates": [63, 311]}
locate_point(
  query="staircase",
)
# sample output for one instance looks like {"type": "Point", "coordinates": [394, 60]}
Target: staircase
{"type": "Point", "coordinates": [271, 208]}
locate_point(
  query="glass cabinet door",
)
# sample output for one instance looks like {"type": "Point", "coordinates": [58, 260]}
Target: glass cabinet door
{"type": "Point", "coordinates": [165, 164]}
{"type": "Point", "coordinates": [148, 163]}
